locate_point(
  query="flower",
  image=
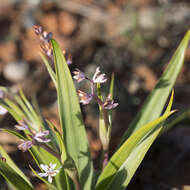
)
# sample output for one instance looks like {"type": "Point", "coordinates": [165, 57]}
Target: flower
{"type": "Point", "coordinates": [3, 111]}
{"type": "Point", "coordinates": [99, 78]}
{"type": "Point", "coordinates": [109, 103]}
{"type": "Point", "coordinates": [41, 136]}
{"type": "Point", "coordinates": [47, 49]}
{"type": "Point", "coordinates": [78, 75]}
{"type": "Point", "coordinates": [22, 126]}
{"type": "Point", "coordinates": [69, 59]}
{"type": "Point", "coordinates": [44, 36]}
{"type": "Point", "coordinates": [3, 159]}
{"type": "Point", "coordinates": [49, 171]}
{"type": "Point", "coordinates": [84, 97]}
{"type": "Point", "coordinates": [25, 145]}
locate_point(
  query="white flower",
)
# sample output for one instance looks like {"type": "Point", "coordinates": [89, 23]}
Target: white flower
{"type": "Point", "coordinates": [49, 171]}
{"type": "Point", "coordinates": [3, 111]}
{"type": "Point", "coordinates": [99, 78]}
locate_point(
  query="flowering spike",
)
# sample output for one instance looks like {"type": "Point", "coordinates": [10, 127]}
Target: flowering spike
{"type": "Point", "coordinates": [99, 78]}
{"type": "Point", "coordinates": [84, 97]}
{"type": "Point", "coordinates": [78, 75]}
{"type": "Point", "coordinates": [44, 36]}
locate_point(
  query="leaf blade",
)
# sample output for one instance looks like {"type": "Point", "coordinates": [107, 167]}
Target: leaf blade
{"type": "Point", "coordinates": [71, 119]}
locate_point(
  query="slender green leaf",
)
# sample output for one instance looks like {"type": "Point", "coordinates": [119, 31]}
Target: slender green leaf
{"type": "Point", "coordinates": [71, 119]}
{"type": "Point", "coordinates": [119, 158]}
{"type": "Point", "coordinates": [111, 91]}
{"type": "Point", "coordinates": [60, 142]}
{"type": "Point", "coordinates": [50, 70]}
{"type": "Point", "coordinates": [177, 119]}
{"type": "Point", "coordinates": [155, 102]}
{"type": "Point", "coordinates": [13, 174]}
{"type": "Point", "coordinates": [130, 165]}
{"type": "Point", "coordinates": [103, 128]}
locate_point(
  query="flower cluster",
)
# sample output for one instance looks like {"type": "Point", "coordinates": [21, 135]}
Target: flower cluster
{"type": "Point", "coordinates": [97, 78]}
{"type": "Point", "coordinates": [46, 46]}
{"type": "Point", "coordinates": [36, 137]}
{"type": "Point", "coordinates": [49, 171]}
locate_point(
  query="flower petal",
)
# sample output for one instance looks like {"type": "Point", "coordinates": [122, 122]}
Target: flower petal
{"type": "Point", "coordinates": [50, 179]}
{"type": "Point", "coordinates": [43, 174]}
{"type": "Point", "coordinates": [3, 111]}
{"type": "Point", "coordinates": [52, 166]}
{"type": "Point", "coordinates": [44, 167]}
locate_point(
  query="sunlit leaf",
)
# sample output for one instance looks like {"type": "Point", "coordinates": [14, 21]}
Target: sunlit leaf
{"type": "Point", "coordinates": [71, 119]}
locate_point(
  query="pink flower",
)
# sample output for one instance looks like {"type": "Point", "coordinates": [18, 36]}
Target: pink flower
{"type": "Point", "coordinates": [3, 159]}
{"type": "Point", "coordinates": [47, 49]}
{"type": "Point", "coordinates": [109, 103]}
{"type": "Point", "coordinates": [78, 75]}
{"type": "Point", "coordinates": [84, 97]}
{"type": "Point", "coordinates": [22, 126]}
{"type": "Point", "coordinates": [44, 36]}
{"type": "Point", "coordinates": [99, 78]}
{"type": "Point", "coordinates": [25, 145]}
{"type": "Point", "coordinates": [69, 59]}
{"type": "Point", "coordinates": [41, 136]}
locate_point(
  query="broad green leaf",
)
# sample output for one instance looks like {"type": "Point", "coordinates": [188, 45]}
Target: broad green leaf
{"type": "Point", "coordinates": [71, 119]}
{"type": "Point", "coordinates": [155, 102]}
{"type": "Point", "coordinates": [13, 174]}
{"type": "Point", "coordinates": [118, 159]}
{"type": "Point", "coordinates": [130, 165]}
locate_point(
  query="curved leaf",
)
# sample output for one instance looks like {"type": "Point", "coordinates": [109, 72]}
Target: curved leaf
{"type": "Point", "coordinates": [13, 174]}
{"type": "Point", "coordinates": [158, 97]}
{"type": "Point", "coordinates": [119, 158]}
{"type": "Point", "coordinates": [71, 119]}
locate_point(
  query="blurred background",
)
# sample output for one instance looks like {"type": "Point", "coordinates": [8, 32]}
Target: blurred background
{"type": "Point", "coordinates": [135, 39]}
